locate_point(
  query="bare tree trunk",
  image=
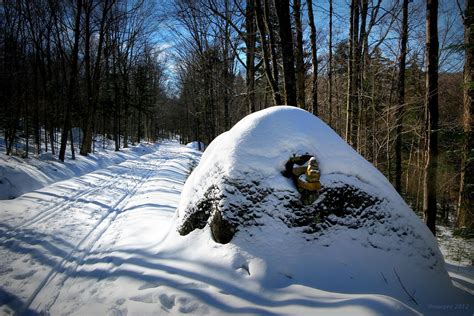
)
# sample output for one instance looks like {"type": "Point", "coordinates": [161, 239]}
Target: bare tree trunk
{"type": "Point", "coordinates": [88, 74]}
{"type": "Point", "coordinates": [51, 139]}
{"type": "Point", "coordinates": [431, 99]}
{"type": "Point", "coordinates": [250, 62]}
{"type": "Point", "coordinates": [465, 215]}
{"type": "Point", "coordinates": [286, 41]}
{"type": "Point", "coordinates": [389, 158]}
{"type": "Point", "coordinates": [266, 57]}
{"type": "Point", "coordinates": [117, 127]}
{"type": "Point", "coordinates": [300, 72]}
{"type": "Point", "coordinates": [73, 153]}
{"type": "Point", "coordinates": [314, 61]}
{"type": "Point", "coordinates": [11, 135]}
{"type": "Point", "coordinates": [72, 81]}
{"type": "Point", "coordinates": [419, 184]}
{"type": "Point", "coordinates": [374, 125]}
{"type": "Point", "coordinates": [45, 139]}
{"type": "Point", "coordinates": [273, 44]}
{"type": "Point", "coordinates": [330, 63]}
{"type": "Point", "coordinates": [227, 68]}
{"type": "Point", "coordinates": [361, 61]}
{"type": "Point", "coordinates": [36, 123]}
{"type": "Point", "coordinates": [94, 78]}
{"type": "Point", "coordinates": [401, 99]}
{"type": "Point", "coordinates": [351, 107]}
{"type": "Point", "coordinates": [27, 127]}
{"type": "Point", "coordinates": [407, 180]}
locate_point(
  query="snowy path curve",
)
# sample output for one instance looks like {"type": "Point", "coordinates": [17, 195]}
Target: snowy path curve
{"type": "Point", "coordinates": [46, 235]}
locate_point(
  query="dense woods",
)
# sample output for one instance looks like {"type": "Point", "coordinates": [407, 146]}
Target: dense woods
{"type": "Point", "coordinates": [393, 78]}
{"type": "Point", "coordinates": [70, 66]}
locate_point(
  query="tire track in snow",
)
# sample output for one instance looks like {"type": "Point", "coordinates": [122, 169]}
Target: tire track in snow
{"type": "Point", "coordinates": [49, 212]}
{"type": "Point", "coordinates": [87, 242]}
{"type": "Point", "coordinates": [52, 210]}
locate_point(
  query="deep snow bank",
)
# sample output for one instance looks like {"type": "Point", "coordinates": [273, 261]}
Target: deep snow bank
{"type": "Point", "coordinates": [358, 237]}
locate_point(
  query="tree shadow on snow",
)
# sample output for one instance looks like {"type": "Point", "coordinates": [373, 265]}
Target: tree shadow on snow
{"type": "Point", "coordinates": [49, 251]}
{"type": "Point", "coordinates": [126, 263]}
{"type": "Point", "coordinates": [14, 303]}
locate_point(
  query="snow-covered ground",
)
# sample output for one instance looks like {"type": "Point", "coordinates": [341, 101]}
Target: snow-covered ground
{"type": "Point", "coordinates": [87, 244]}
{"type": "Point", "coordinates": [106, 243]}
{"type": "Point", "coordinates": [459, 257]}
{"type": "Point", "coordinates": [20, 175]}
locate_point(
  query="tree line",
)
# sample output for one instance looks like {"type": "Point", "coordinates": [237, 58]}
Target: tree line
{"type": "Point", "coordinates": [386, 75]}
{"type": "Point", "coordinates": [84, 64]}
{"type": "Point", "coordinates": [379, 84]}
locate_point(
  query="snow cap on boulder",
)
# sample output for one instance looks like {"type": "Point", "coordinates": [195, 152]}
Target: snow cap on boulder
{"type": "Point", "coordinates": [358, 236]}
{"type": "Point", "coordinates": [239, 179]}
{"type": "Point", "coordinates": [263, 141]}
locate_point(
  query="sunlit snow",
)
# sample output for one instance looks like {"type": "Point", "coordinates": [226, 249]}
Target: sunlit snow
{"type": "Point", "coordinates": [107, 242]}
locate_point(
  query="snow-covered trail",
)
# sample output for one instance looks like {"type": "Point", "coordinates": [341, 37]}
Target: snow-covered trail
{"type": "Point", "coordinates": [56, 244]}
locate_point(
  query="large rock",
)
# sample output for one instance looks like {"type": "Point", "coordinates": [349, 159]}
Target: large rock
{"type": "Point", "coordinates": [241, 183]}
{"type": "Point", "coordinates": [358, 236]}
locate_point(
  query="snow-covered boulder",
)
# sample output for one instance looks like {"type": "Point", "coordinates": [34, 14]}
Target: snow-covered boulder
{"type": "Point", "coordinates": [239, 184]}
{"type": "Point", "coordinates": [358, 236]}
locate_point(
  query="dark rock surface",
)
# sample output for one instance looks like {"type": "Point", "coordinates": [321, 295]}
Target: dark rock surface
{"type": "Point", "coordinates": [235, 204]}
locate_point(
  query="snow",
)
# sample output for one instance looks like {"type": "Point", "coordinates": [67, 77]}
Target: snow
{"type": "Point", "coordinates": [392, 260]}
{"type": "Point", "coordinates": [263, 142]}
{"type": "Point", "coordinates": [198, 145]}
{"type": "Point", "coordinates": [106, 242]}
{"type": "Point", "coordinates": [20, 175]}
{"type": "Point", "coordinates": [459, 257]}
{"type": "Point", "coordinates": [86, 245]}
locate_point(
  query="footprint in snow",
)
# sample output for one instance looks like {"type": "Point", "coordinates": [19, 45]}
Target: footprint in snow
{"type": "Point", "coordinates": [243, 269]}
{"type": "Point", "coordinates": [166, 301]}
{"type": "Point", "coordinates": [149, 285]}
{"type": "Point", "coordinates": [118, 312]}
{"type": "Point", "coordinates": [146, 298]}
{"type": "Point", "coordinates": [189, 305]}
{"type": "Point", "coordinates": [23, 276]}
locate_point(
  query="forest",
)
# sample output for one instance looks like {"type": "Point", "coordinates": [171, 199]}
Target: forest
{"type": "Point", "coordinates": [393, 78]}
